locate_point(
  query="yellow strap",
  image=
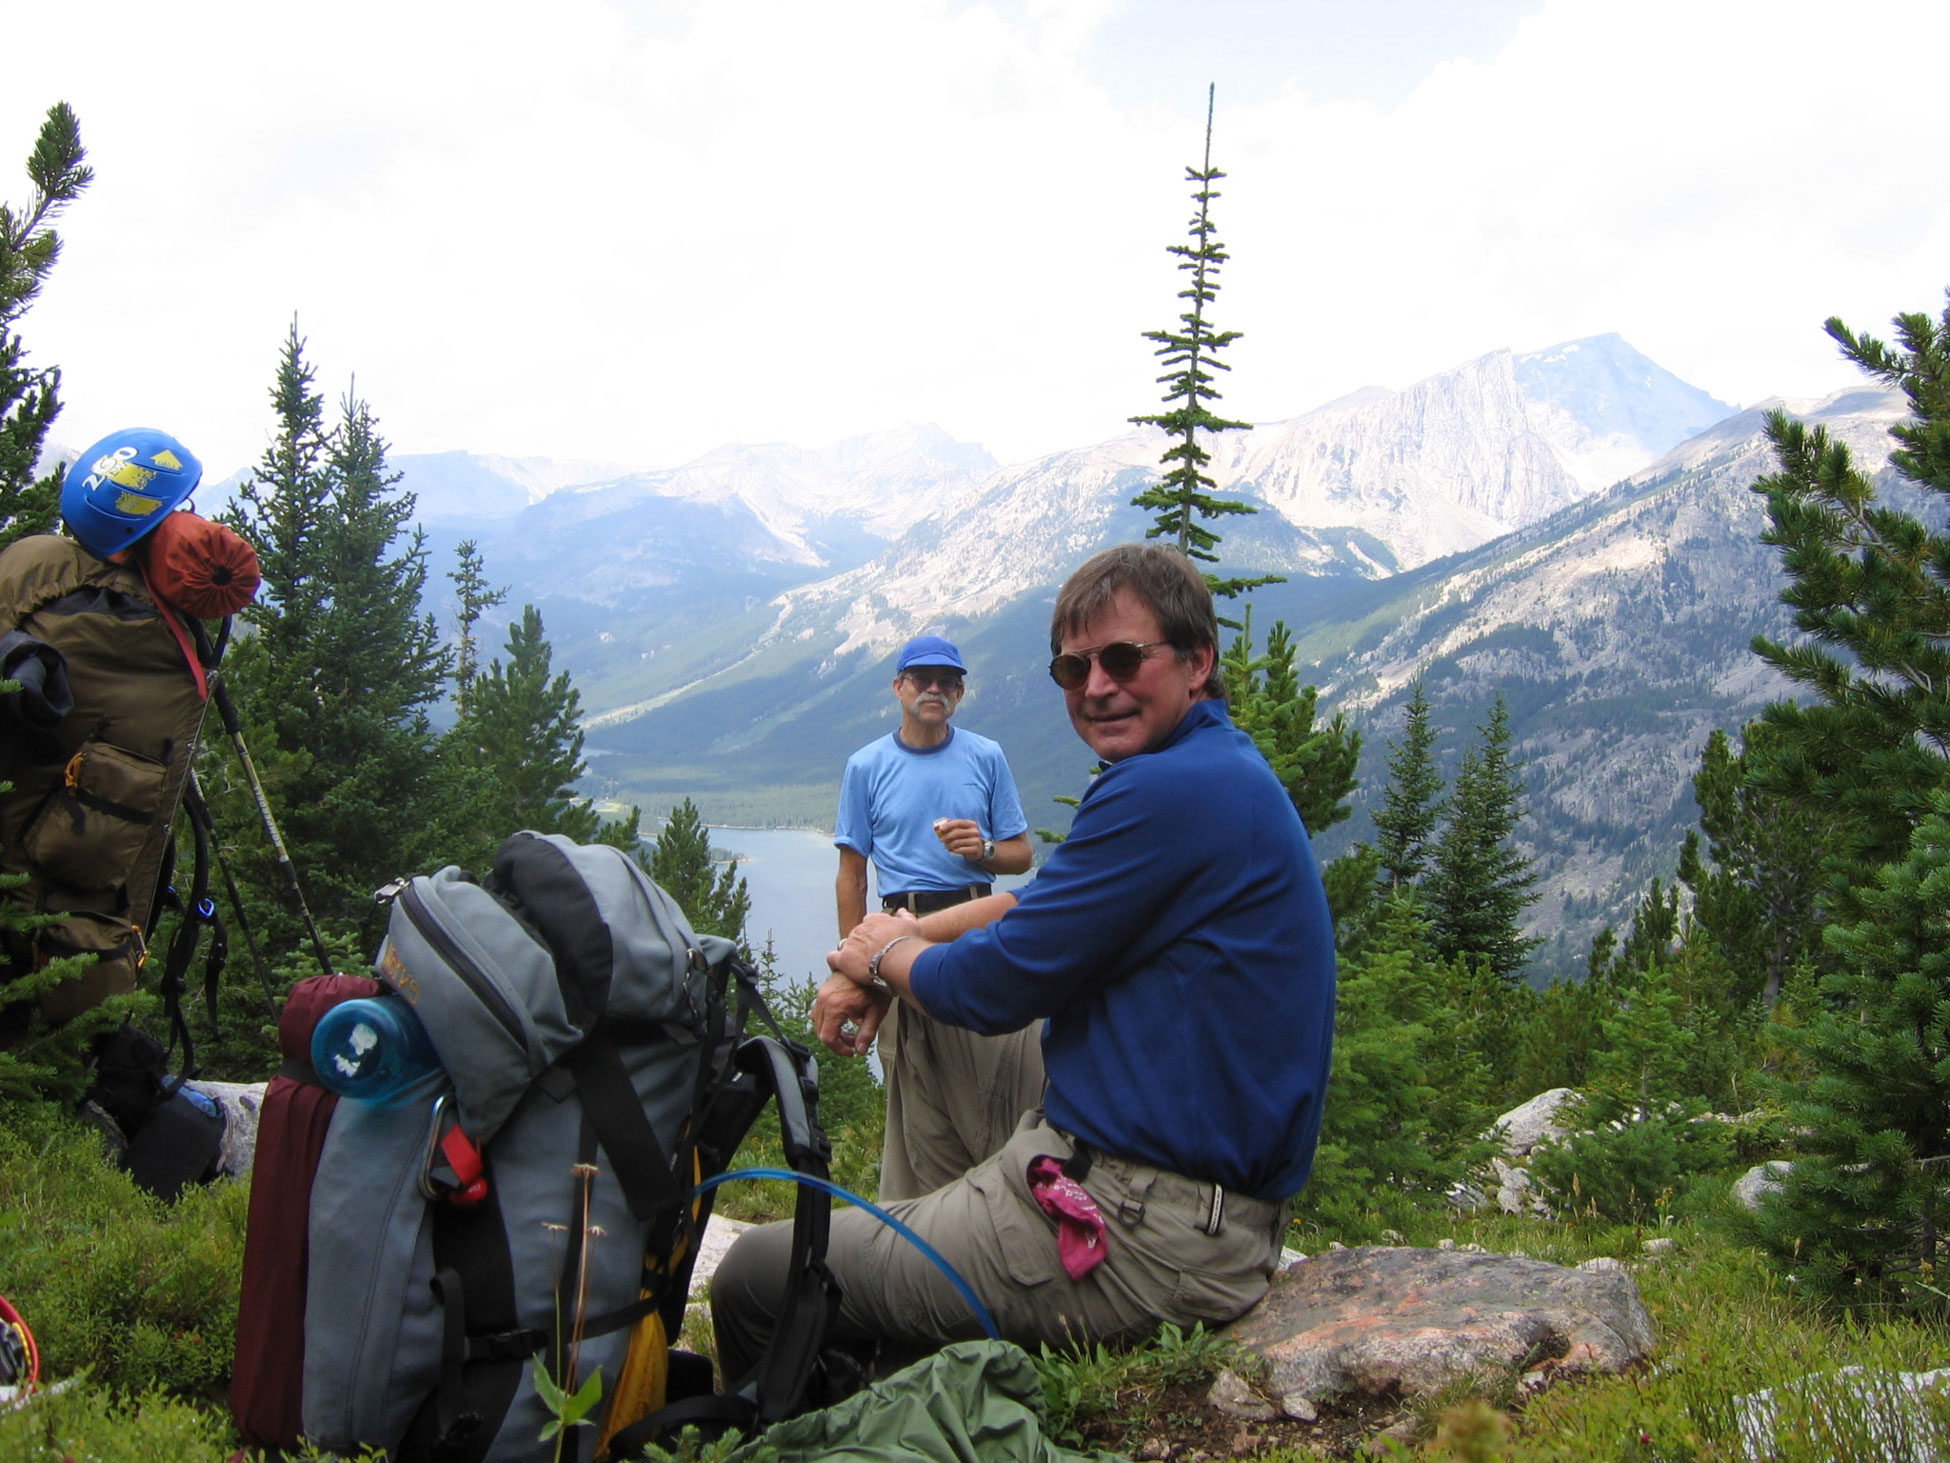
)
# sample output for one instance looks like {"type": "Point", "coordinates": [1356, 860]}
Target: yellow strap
{"type": "Point", "coordinates": [73, 775]}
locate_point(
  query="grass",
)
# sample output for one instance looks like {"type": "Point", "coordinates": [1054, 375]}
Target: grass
{"type": "Point", "coordinates": [1729, 1326]}
{"type": "Point", "coordinates": [137, 1300]}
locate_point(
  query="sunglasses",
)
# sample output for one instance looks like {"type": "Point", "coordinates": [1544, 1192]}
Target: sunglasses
{"type": "Point", "coordinates": [934, 680]}
{"type": "Point", "coordinates": [1121, 659]}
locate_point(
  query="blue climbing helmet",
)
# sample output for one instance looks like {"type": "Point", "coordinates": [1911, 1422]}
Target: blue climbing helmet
{"type": "Point", "coordinates": [121, 487]}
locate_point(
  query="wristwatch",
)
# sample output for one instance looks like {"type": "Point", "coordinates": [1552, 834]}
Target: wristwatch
{"type": "Point", "coordinates": [988, 851]}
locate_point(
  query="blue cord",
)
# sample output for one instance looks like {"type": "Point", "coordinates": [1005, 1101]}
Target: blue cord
{"type": "Point", "coordinates": [940, 1261]}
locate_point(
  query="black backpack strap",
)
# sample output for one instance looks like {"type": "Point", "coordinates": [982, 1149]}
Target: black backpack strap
{"type": "Point", "coordinates": [558, 904]}
{"type": "Point", "coordinates": [199, 811]}
{"type": "Point", "coordinates": [199, 912]}
{"type": "Point", "coordinates": [610, 1101]}
{"type": "Point", "coordinates": [776, 1388]}
{"type": "Point", "coordinates": [479, 1372]}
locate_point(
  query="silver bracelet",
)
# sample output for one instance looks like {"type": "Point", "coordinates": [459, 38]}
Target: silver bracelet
{"type": "Point", "coordinates": [873, 965]}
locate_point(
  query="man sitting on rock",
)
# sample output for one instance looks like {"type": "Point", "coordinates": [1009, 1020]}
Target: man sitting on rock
{"type": "Point", "coordinates": [1179, 945]}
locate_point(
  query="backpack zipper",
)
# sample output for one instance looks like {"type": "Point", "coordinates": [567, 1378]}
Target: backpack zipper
{"type": "Point", "coordinates": [472, 976]}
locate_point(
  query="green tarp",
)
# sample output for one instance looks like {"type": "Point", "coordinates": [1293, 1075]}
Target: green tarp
{"type": "Point", "coordinates": [972, 1402]}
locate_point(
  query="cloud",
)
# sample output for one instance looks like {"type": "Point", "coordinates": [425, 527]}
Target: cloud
{"type": "Point", "coordinates": [636, 231]}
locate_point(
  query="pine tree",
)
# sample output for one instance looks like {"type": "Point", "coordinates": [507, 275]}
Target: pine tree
{"type": "Point", "coordinates": [1190, 354]}
{"type": "Point", "coordinates": [345, 663]}
{"type": "Point", "coordinates": [1757, 891]}
{"type": "Point", "coordinates": [472, 599]}
{"type": "Point", "coordinates": [523, 731]}
{"type": "Point", "coordinates": [38, 1061]}
{"type": "Point", "coordinates": [30, 397]}
{"type": "Point", "coordinates": [717, 902]}
{"type": "Point", "coordinates": [1870, 586]}
{"type": "Point", "coordinates": [1480, 882]}
{"type": "Point", "coordinates": [1314, 763]}
{"type": "Point", "coordinates": [1861, 1215]}
{"type": "Point", "coordinates": [1410, 803]}
{"type": "Point", "coordinates": [1406, 1099]}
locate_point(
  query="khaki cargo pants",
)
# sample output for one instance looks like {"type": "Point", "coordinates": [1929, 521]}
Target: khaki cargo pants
{"type": "Point", "coordinates": [1177, 1250]}
{"type": "Point", "coordinates": [953, 1097]}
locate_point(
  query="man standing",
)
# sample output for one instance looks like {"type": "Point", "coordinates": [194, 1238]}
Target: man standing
{"type": "Point", "coordinates": [935, 808]}
{"type": "Point", "coordinates": [1180, 946]}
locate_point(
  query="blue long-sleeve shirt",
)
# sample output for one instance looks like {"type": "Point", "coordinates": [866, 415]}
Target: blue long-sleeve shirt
{"type": "Point", "coordinates": [1180, 945]}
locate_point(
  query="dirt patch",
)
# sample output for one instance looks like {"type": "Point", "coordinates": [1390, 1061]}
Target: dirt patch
{"type": "Point", "coordinates": [1175, 1424]}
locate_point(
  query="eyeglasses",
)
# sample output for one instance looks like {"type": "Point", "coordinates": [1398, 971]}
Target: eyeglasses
{"type": "Point", "coordinates": [1121, 659]}
{"type": "Point", "coordinates": [934, 680]}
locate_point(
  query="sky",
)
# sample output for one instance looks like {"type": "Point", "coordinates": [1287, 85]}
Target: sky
{"type": "Point", "coordinates": [635, 230]}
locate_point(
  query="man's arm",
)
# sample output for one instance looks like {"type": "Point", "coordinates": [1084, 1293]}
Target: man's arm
{"type": "Point", "coordinates": [850, 889]}
{"type": "Point", "coordinates": [958, 919]}
{"type": "Point", "coordinates": [1012, 856]}
{"type": "Point", "coordinates": [896, 942]}
{"type": "Point", "coordinates": [963, 838]}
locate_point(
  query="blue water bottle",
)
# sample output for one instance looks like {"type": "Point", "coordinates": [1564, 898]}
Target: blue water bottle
{"type": "Point", "coordinates": [371, 1049]}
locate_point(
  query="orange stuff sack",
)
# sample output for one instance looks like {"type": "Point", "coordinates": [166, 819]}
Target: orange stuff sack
{"type": "Point", "coordinates": [201, 567]}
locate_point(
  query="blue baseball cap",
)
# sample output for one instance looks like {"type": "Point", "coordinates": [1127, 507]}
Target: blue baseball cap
{"type": "Point", "coordinates": [930, 650]}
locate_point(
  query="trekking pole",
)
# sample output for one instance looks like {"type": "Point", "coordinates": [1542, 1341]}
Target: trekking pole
{"type": "Point", "coordinates": [200, 809]}
{"type": "Point", "coordinates": [227, 709]}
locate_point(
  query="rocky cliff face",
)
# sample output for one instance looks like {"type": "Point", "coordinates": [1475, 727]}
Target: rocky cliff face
{"type": "Point", "coordinates": [1619, 632]}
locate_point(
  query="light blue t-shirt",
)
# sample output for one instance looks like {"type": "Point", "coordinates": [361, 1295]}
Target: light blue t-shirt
{"type": "Point", "coordinates": [892, 793]}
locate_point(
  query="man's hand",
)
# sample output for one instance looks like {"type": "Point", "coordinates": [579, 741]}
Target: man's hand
{"type": "Point", "coordinates": [960, 836]}
{"type": "Point", "coordinates": [846, 1016]}
{"type": "Point", "coordinates": [866, 940]}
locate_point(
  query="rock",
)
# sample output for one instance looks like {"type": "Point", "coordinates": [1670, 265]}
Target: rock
{"type": "Point", "coordinates": [1882, 1413]}
{"type": "Point", "coordinates": [1154, 1450]}
{"type": "Point", "coordinates": [242, 1103]}
{"type": "Point", "coordinates": [1372, 1319]}
{"type": "Point", "coordinates": [1513, 1192]}
{"type": "Point", "coordinates": [1445, 1244]}
{"type": "Point", "coordinates": [1467, 1198]}
{"type": "Point", "coordinates": [1394, 1236]}
{"type": "Point", "coordinates": [718, 1234]}
{"type": "Point", "coordinates": [1605, 1265]}
{"type": "Point", "coordinates": [115, 1143]}
{"type": "Point", "coordinates": [1291, 1257]}
{"type": "Point", "coordinates": [1233, 1395]}
{"type": "Point", "coordinates": [1299, 1408]}
{"type": "Point", "coordinates": [1660, 1246]}
{"type": "Point", "coordinates": [1759, 1181]}
{"type": "Point", "coordinates": [1522, 1128]}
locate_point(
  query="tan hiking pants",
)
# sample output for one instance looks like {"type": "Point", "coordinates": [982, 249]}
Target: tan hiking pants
{"type": "Point", "coordinates": [1177, 1250]}
{"type": "Point", "coordinates": [953, 1097]}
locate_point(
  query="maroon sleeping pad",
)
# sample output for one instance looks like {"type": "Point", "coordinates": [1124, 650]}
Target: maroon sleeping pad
{"type": "Point", "coordinates": [267, 1378]}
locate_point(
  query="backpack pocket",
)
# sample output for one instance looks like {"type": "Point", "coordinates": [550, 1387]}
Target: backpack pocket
{"type": "Point", "coordinates": [89, 832]}
{"type": "Point", "coordinates": [117, 947]}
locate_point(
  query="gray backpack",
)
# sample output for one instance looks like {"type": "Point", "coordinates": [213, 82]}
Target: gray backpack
{"type": "Point", "coordinates": [590, 1058]}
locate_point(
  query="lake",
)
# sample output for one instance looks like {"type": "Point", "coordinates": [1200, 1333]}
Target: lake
{"type": "Point", "coordinates": [790, 873]}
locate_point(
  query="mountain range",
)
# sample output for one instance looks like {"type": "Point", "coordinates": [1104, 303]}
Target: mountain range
{"type": "Point", "coordinates": [1570, 528]}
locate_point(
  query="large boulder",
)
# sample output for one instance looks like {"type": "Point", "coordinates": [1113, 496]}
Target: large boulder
{"type": "Point", "coordinates": [1523, 1128]}
{"type": "Point", "coordinates": [1378, 1320]}
{"type": "Point", "coordinates": [1753, 1186]}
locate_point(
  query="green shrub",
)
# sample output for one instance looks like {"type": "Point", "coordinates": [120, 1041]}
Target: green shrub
{"type": "Point", "coordinates": [1630, 1170]}
{"type": "Point", "coordinates": [85, 1424]}
{"type": "Point", "coordinates": [141, 1295]}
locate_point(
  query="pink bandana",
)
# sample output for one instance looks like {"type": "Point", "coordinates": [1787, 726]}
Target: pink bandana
{"type": "Point", "coordinates": [1079, 1223]}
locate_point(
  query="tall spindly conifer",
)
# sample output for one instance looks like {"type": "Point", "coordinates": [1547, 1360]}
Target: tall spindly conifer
{"type": "Point", "coordinates": [1191, 355]}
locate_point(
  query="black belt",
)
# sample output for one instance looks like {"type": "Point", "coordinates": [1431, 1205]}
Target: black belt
{"type": "Point", "coordinates": [927, 901]}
